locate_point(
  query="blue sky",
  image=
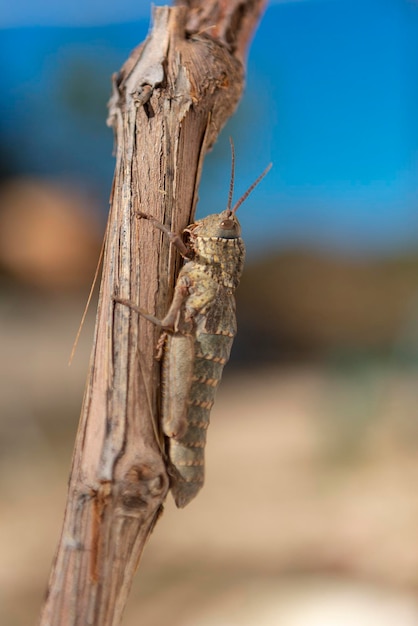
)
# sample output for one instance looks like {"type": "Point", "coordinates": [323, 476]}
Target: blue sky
{"type": "Point", "coordinates": [81, 12]}
{"type": "Point", "coordinates": [331, 99]}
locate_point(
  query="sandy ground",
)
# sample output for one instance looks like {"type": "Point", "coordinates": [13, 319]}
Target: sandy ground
{"type": "Point", "coordinates": [309, 515]}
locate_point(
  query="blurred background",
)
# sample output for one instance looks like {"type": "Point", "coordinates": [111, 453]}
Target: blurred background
{"type": "Point", "coordinates": [309, 515]}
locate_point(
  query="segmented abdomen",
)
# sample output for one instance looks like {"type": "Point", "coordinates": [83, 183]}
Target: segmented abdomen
{"type": "Point", "coordinates": [187, 452]}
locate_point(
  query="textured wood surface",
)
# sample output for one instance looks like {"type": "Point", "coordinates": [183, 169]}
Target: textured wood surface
{"type": "Point", "coordinates": [169, 102]}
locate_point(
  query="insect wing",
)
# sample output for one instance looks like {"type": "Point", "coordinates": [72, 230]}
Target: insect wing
{"type": "Point", "coordinates": [177, 380]}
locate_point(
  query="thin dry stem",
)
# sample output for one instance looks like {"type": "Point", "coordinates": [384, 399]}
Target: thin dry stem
{"type": "Point", "coordinates": [169, 102]}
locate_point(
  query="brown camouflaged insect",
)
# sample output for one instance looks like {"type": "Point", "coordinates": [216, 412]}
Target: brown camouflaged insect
{"type": "Point", "coordinates": [199, 329]}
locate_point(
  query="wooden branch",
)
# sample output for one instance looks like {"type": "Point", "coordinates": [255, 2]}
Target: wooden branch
{"type": "Point", "coordinates": [169, 102]}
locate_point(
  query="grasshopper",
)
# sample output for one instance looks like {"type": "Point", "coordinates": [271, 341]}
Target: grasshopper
{"type": "Point", "coordinates": [197, 337]}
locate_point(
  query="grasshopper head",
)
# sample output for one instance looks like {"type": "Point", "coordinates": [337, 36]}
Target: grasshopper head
{"type": "Point", "coordinates": [228, 225]}
{"type": "Point", "coordinates": [223, 225]}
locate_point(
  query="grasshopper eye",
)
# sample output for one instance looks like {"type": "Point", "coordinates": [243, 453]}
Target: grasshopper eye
{"type": "Point", "coordinates": [227, 224]}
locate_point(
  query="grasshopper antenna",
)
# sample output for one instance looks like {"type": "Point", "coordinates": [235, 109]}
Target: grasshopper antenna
{"type": "Point", "coordinates": [231, 184]}
{"type": "Point", "coordinates": [253, 186]}
{"type": "Point", "coordinates": [86, 308]}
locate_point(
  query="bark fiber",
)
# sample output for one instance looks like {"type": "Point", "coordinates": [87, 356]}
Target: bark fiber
{"type": "Point", "coordinates": [169, 102]}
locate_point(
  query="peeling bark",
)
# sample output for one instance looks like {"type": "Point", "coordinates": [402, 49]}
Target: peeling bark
{"type": "Point", "coordinates": [169, 102]}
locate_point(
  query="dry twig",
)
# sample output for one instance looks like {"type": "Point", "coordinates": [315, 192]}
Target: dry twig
{"type": "Point", "coordinates": [170, 100]}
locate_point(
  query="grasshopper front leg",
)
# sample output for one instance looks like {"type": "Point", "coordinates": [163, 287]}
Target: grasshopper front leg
{"type": "Point", "coordinates": [174, 238]}
{"type": "Point", "coordinates": [171, 320]}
